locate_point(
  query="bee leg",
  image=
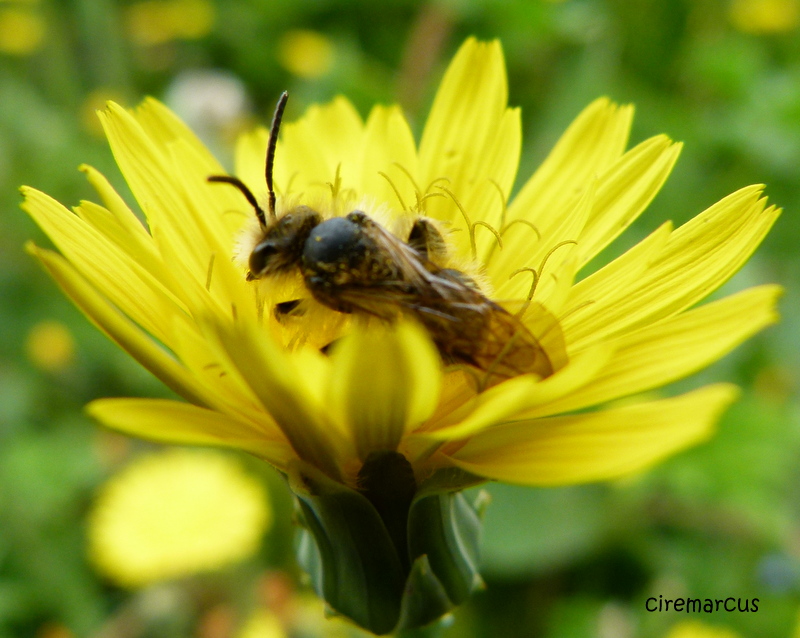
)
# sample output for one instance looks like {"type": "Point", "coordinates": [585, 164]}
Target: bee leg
{"type": "Point", "coordinates": [426, 239]}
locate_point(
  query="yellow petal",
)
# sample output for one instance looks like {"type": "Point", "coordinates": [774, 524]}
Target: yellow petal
{"type": "Point", "coordinates": [674, 348]}
{"type": "Point", "coordinates": [388, 147]}
{"type": "Point", "coordinates": [468, 129]}
{"type": "Point", "coordinates": [596, 446]}
{"type": "Point", "coordinates": [183, 424]}
{"type": "Point", "coordinates": [213, 202]}
{"type": "Point", "coordinates": [311, 150]}
{"type": "Point", "coordinates": [250, 159]}
{"type": "Point", "coordinates": [188, 246]}
{"type": "Point", "coordinates": [120, 329]}
{"type": "Point", "coordinates": [120, 225]}
{"type": "Point", "coordinates": [217, 272]}
{"type": "Point", "coordinates": [113, 272]}
{"type": "Point", "coordinates": [615, 276]}
{"type": "Point", "coordinates": [697, 258]}
{"type": "Point", "coordinates": [385, 381]}
{"type": "Point", "coordinates": [231, 395]}
{"type": "Point", "coordinates": [116, 205]}
{"type": "Point", "coordinates": [139, 247]}
{"type": "Point", "coordinates": [543, 325]}
{"type": "Point", "coordinates": [517, 396]}
{"type": "Point", "coordinates": [271, 372]}
{"type": "Point", "coordinates": [487, 408]}
{"type": "Point", "coordinates": [225, 282]}
{"type": "Point", "coordinates": [486, 196]}
{"type": "Point", "coordinates": [164, 128]}
{"type": "Point", "coordinates": [549, 260]}
{"type": "Point", "coordinates": [625, 190]}
{"type": "Point", "coordinates": [471, 98]}
{"type": "Point", "coordinates": [200, 388]}
{"type": "Point", "coordinates": [482, 196]}
{"type": "Point", "coordinates": [148, 172]}
{"type": "Point", "coordinates": [589, 147]}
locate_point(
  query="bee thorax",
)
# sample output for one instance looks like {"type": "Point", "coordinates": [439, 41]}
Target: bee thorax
{"type": "Point", "coordinates": [333, 241]}
{"type": "Point", "coordinates": [341, 259]}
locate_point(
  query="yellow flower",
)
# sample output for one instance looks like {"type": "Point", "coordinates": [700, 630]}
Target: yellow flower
{"type": "Point", "coordinates": [22, 31]}
{"type": "Point", "coordinates": [628, 328]}
{"type": "Point", "coordinates": [765, 16]}
{"type": "Point", "coordinates": [263, 624]}
{"type": "Point", "coordinates": [306, 54]}
{"type": "Point", "coordinates": [694, 629]}
{"type": "Point", "coordinates": [154, 22]}
{"type": "Point", "coordinates": [175, 513]}
{"type": "Point", "coordinates": [177, 299]}
{"type": "Point", "coordinates": [49, 346]}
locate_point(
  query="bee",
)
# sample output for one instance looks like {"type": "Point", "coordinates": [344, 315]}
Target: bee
{"type": "Point", "coordinates": [353, 265]}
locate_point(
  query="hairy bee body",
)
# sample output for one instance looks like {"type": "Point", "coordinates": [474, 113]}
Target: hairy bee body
{"type": "Point", "coordinates": [354, 265]}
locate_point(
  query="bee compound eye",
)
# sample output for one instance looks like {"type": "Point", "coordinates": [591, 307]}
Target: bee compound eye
{"type": "Point", "coordinates": [260, 258]}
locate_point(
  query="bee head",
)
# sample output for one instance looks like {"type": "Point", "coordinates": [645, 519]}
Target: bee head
{"type": "Point", "coordinates": [277, 250]}
{"type": "Point", "coordinates": [281, 248]}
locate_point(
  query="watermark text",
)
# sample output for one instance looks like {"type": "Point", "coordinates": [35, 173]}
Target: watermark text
{"type": "Point", "coordinates": [702, 605]}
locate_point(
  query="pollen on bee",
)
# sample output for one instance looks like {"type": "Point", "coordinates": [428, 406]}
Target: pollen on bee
{"type": "Point", "coordinates": [249, 235]}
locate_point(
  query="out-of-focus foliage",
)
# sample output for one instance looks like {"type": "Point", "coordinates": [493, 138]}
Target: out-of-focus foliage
{"type": "Point", "coordinates": [719, 521]}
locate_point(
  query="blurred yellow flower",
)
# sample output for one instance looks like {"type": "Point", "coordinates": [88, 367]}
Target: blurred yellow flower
{"type": "Point", "coordinates": [152, 22]}
{"type": "Point", "coordinates": [306, 54]}
{"type": "Point", "coordinates": [49, 346]}
{"type": "Point", "coordinates": [696, 629]}
{"type": "Point", "coordinates": [22, 31]}
{"type": "Point", "coordinates": [175, 513]}
{"type": "Point", "coordinates": [263, 624]}
{"type": "Point", "coordinates": [765, 16]}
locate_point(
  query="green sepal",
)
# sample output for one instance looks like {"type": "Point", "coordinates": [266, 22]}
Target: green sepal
{"type": "Point", "coordinates": [354, 564]}
{"type": "Point", "coordinates": [445, 526]}
{"type": "Point", "coordinates": [424, 598]}
{"type": "Point", "coordinates": [355, 567]}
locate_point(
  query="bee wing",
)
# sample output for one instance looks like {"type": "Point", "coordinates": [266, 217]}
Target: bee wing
{"type": "Point", "coordinates": [377, 300]}
{"type": "Point", "coordinates": [465, 325]}
{"type": "Point", "coordinates": [545, 327]}
{"type": "Point", "coordinates": [418, 272]}
{"type": "Point", "coordinates": [508, 349]}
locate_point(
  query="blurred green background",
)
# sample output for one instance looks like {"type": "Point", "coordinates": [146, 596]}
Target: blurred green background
{"type": "Point", "coordinates": [717, 521]}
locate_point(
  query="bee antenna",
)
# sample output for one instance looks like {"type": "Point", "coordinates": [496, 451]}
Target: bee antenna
{"type": "Point", "coordinates": [273, 143]}
{"type": "Point", "coordinates": [240, 185]}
